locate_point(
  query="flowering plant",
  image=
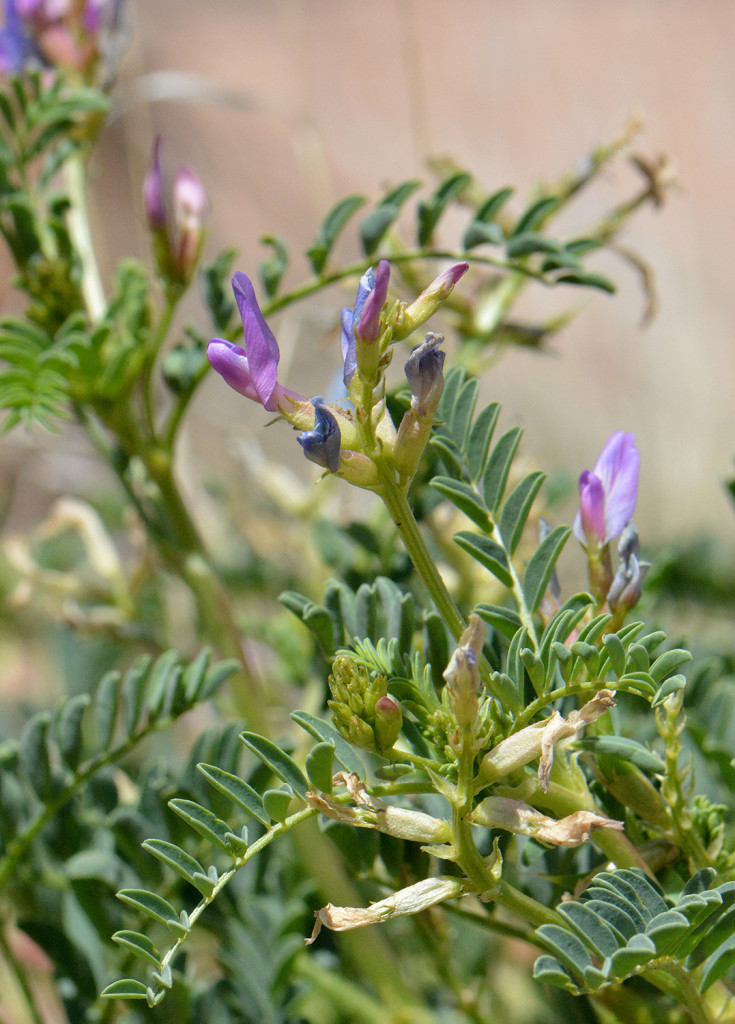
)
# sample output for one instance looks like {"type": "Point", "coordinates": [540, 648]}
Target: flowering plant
{"type": "Point", "coordinates": [426, 723]}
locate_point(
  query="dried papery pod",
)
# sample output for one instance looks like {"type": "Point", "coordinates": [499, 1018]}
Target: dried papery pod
{"type": "Point", "coordinates": [412, 900]}
{"type": "Point", "coordinates": [538, 741]}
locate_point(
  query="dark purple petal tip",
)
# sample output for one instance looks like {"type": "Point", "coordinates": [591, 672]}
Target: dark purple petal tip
{"type": "Point", "coordinates": [322, 444]}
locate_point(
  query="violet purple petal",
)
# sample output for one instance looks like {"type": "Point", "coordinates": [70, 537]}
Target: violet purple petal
{"type": "Point", "coordinates": [260, 344]}
{"type": "Point", "coordinates": [367, 323]}
{"type": "Point", "coordinates": [608, 493]}
{"type": "Point", "coordinates": [231, 363]}
{"type": "Point", "coordinates": [349, 346]}
{"type": "Point", "coordinates": [590, 520]}
{"type": "Point", "coordinates": [618, 467]}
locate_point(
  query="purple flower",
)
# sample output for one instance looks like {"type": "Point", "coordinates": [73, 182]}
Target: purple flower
{"type": "Point", "coordinates": [251, 370]}
{"type": "Point", "coordinates": [607, 494]}
{"type": "Point", "coordinates": [424, 373]}
{"type": "Point", "coordinates": [362, 322]}
{"type": "Point", "coordinates": [322, 444]}
{"type": "Point", "coordinates": [178, 244]}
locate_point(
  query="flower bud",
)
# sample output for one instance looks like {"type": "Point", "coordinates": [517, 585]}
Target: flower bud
{"type": "Point", "coordinates": [411, 317]}
{"type": "Point", "coordinates": [424, 373]}
{"type": "Point", "coordinates": [177, 245]}
{"type": "Point", "coordinates": [361, 324]}
{"type": "Point", "coordinates": [626, 586]}
{"type": "Point", "coordinates": [388, 722]}
{"type": "Point", "coordinates": [462, 674]}
{"type": "Point", "coordinates": [361, 709]}
{"type": "Point", "coordinates": [190, 213]}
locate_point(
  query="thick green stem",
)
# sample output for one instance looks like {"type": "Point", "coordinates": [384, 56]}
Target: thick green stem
{"type": "Point", "coordinates": [469, 858]}
{"type": "Point", "coordinates": [683, 989]}
{"type": "Point", "coordinates": [400, 511]}
{"type": "Point", "coordinates": [155, 342]}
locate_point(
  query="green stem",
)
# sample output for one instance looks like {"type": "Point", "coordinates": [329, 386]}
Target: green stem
{"type": "Point", "coordinates": [410, 256]}
{"type": "Point", "coordinates": [524, 906]}
{"type": "Point", "coordinates": [400, 511]}
{"type": "Point", "coordinates": [684, 989]}
{"type": "Point", "coordinates": [491, 924]}
{"type": "Point", "coordinates": [155, 342]}
{"type": "Point", "coordinates": [265, 840]}
{"type": "Point", "coordinates": [78, 220]}
{"type": "Point", "coordinates": [469, 857]}
{"type": "Point", "coordinates": [533, 709]}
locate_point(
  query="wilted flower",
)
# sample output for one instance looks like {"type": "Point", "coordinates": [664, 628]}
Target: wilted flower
{"type": "Point", "coordinates": [322, 444]}
{"type": "Point", "coordinates": [253, 370]}
{"type": "Point", "coordinates": [177, 245]}
{"type": "Point", "coordinates": [362, 322]}
{"type": "Point", "coordinates": [607, 494]}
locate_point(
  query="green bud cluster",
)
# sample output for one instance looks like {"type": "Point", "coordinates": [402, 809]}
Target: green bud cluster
{"type": "Point", "coordinates": [362, 709]}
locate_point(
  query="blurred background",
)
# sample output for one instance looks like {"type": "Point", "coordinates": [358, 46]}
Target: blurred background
{"type": "Point", "coordinates": [285, 106]}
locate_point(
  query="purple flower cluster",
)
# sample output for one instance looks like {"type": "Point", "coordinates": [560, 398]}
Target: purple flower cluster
{"type": "Point", "coordinates": [332, 442]}
{"type": "Point", "coordinates": [55, 33]}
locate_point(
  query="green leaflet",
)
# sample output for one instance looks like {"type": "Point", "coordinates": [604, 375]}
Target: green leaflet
{"type": "Point", "coordinates": [278, 761]}
{"type": "Point", "coordinates": [330, 229]}
{"type": "Point", "coordinates": [622, 924]}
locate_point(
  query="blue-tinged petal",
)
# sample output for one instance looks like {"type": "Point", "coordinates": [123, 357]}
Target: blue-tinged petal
{"type": "Point", "coordinates": [349, 346]}
{"type": "Point", "coordinates": [322, 444]}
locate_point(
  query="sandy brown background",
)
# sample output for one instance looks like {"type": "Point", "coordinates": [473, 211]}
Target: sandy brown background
{"type": "Point", "coordinates": [284, 106]}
